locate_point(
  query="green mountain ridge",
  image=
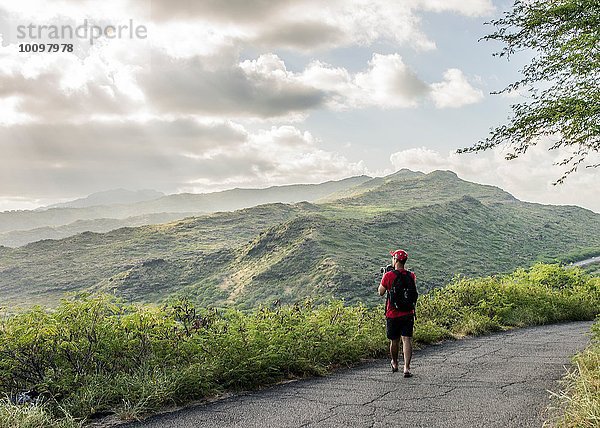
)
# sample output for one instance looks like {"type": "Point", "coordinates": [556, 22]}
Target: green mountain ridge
{"type": "Point", "coordinates": [288, 252]}
{"type": "Point", "coordinates": [403, 174]}
{"type": "Point", "coordinates": [409, 192]}
{"type": "Point", "coordinates": [18, 238]}
{"type": "Point", "coordinates": [325, 257]}
{"type": "Point", "coordinates": [108, 197]}
{"type": "Point", "coordinates": [45, 270]}
{"type": "Point", "coordinates": [185, 203]}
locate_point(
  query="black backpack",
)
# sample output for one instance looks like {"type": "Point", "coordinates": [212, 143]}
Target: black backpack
{"type": "Point", "coordinates": [403, 294]}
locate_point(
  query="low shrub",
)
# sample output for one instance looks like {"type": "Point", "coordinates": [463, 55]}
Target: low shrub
{"type": "Point", "coordinates": [94, 355]}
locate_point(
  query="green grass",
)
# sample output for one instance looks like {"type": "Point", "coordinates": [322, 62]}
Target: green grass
{"type": "Point", "coordinates": [32, 416]}
{"type": "Point", "coordinates": [93, 355]}
{"type": "Point", "coordinates": [578, 403]}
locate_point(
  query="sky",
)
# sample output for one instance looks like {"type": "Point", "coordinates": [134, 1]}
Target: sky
{"type": "Point", "coordinates": [206, 95]}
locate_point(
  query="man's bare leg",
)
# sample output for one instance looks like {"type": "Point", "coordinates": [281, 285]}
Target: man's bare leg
{"type": "Point", "coordinates": [407, 351]}
{"type": "Point", "coordinates": [394, 348]}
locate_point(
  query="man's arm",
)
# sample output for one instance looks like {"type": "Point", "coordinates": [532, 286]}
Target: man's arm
{"type": "Point", "coordinates": [381, 288]}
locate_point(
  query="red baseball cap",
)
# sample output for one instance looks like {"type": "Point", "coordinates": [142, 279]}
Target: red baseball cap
{"type": "Point", "coordinates": [400, 255]}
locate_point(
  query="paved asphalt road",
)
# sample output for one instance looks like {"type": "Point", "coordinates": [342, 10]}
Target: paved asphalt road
{"type": "Point", "coordinates": [499, 380]}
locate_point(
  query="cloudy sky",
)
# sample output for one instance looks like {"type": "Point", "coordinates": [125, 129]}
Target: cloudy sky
{"type": "Point", "coordinates": [207, 95]}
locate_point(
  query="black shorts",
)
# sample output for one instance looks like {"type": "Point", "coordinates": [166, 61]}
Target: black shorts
{"type": "Point", "coordinates": [396, 327]}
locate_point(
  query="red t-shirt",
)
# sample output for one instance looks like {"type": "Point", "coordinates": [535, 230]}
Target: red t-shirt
{"type": "Point", "coordinates": [387, 281]}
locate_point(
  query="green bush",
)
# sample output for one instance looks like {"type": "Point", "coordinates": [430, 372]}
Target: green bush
{"type": "Point", "coordinates": [93, 354]}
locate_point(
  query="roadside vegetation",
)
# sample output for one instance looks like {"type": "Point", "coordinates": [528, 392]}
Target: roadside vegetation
{"type": "Point", "coordinates": [578, 403]}
{"type": "Point", "coordinates": [94, 355]}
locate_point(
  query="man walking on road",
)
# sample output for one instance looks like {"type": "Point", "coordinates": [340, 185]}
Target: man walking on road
{"type": "Point", "coordinates": [400, 286]}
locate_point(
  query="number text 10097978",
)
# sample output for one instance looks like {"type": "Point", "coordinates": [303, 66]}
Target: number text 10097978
{"type": "Point", "coordinates": [46, 47]}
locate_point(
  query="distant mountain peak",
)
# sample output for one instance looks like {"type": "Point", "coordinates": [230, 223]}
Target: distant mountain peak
{"type": "Point", "coordinates": [443, 173]}
{"type": "Point", "coordinates": [404, 173]}
{"type": "Point", "coordinates": [111, 197]}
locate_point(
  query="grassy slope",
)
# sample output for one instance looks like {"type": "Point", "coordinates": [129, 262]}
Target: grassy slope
{"type": "Point", "coordinates": [45, 270]}
{"type": "Point", "coordinates": [327, 257]}
{"type": "Point", "coordinates": [289, 252]}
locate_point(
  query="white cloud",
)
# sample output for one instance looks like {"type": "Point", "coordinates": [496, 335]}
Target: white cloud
{"type": "Point", "coordinates": [207, 26]}
{"type": "Point", "coordinates": [421, 159]}
{"type": "Point", "coordinates": [101, 87]}
{"type": "Point", "coordinates": [312, 25]}
{"type": "Point", "coordinates": [10, 111]}
{"type": "Point", "coordinates": [528, 177]}
{"type": "Point", "coordinates": [63, 86]}
{"type": "Point", "coordinates": [269, 65]}
{"type": "Point", "coordinates": [102, 84]}
{"type": "Point", "coordinates": [276, 156]}
{"type": "Point", "coordinates": [200, 73]}
{"type": "Point", "coordinates": [390, 83]}
{"type": "Point", "coordinates": [302, 25]}
{"type": "Point", "coordinates": [465, 7]}
{"type": "Point", "coordinates": [386, 83]}
{"type": "Point", "coordinates": [257, 88]}
{"type": "Point", "coordinates": [47, 161]}
{"type": "Point", "coordinates": [43, 10]}
{"type": "Point", "coordinates": [454, 91]}
{"type": "Point", "coordinates": [180, 39]}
